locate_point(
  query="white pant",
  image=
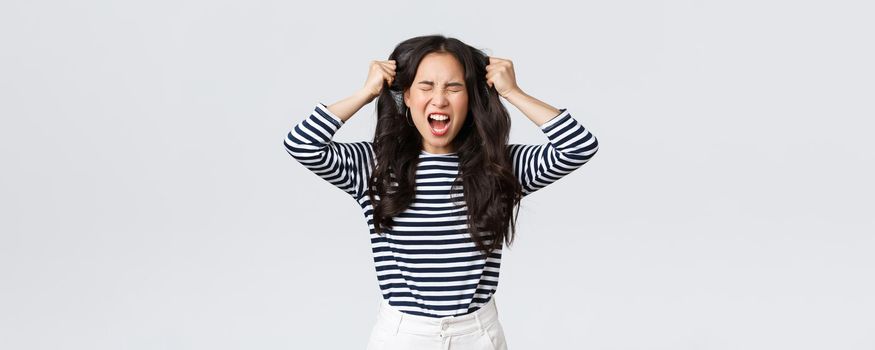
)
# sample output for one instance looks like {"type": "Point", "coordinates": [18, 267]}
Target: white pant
{"type": "Point", "coordinates": [479, 330]}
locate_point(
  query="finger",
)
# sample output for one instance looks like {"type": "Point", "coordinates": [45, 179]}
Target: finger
{"type": "Point", "coordinates": [375, 66]}
{"type": "Point", "coordinates": [496, 64]}
{"type": "Point", "coordinates": [388, 71]}
{"type": "Point", "coordinates": [494, 60]}
{"type": "Point", "coordinates": [388, 68]}
{"type": "Point", "coordinates": [389, 77]}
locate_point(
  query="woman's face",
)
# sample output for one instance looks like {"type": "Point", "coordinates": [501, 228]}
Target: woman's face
{"type": "Point", "coordinates": [439, 87]}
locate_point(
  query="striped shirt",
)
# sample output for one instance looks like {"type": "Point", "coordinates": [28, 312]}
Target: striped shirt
{"type": "Point", "coordinates": [427, 264]}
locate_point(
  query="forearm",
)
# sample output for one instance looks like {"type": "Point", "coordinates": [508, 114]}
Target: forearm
{"type": "Point", "coordinates": [536, 110]}
{"type": "Point", "coordinates": [345, 108]}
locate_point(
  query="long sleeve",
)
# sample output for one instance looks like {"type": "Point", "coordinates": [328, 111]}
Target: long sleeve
{"type": "Point", "coordinates": [344, 165]}
{"type": "Point", "coordinates": [570, 146]}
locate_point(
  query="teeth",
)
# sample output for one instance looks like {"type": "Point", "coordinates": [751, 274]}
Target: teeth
{"type": "Point", "coordinates": [438, 116]}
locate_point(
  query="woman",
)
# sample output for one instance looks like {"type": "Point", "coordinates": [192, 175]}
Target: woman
{"type": "Point", "coordinates": [438, 184]}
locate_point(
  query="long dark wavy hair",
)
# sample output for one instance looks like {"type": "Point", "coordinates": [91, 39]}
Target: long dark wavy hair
{"type": "Point", "coordinates": [491, 190]}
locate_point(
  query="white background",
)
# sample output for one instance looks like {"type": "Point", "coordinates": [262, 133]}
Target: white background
{"type": "Point", "coordinates": [148, 203]}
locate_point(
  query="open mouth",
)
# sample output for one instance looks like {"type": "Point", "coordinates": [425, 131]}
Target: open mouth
{"type": "Point", "coordinates": [439, 123]}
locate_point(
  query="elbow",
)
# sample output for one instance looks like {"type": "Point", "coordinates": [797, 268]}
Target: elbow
{"type": "Point", "coordinates": [292, 147]}
{"type": "Point", "coordinates": [594, 147]}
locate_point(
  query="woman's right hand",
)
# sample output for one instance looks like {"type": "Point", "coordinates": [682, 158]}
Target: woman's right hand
{"type": "Point", "coordinates": [379, 71]}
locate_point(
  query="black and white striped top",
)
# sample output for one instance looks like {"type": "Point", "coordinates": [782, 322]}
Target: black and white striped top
{"type": "Point", "coordinates": [427, 263]}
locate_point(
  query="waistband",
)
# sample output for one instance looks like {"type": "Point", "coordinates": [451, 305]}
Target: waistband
{"type": "Point", "coordinates": [397, 321]}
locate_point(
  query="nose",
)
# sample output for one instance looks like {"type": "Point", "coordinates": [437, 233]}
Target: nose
{"type": "Point", "coordinates": [439, 99]}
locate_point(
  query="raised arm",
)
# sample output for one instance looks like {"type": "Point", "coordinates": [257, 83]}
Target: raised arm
{"type": "Point", "coordinates": [345, 165]}
{"type": "Point", "coordinates": [570, 146]}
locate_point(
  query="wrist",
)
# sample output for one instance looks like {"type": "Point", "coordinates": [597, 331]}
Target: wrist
{"type": "Point", "coordinates": [366, 95]}
{"type": "Point", "coordinates": [515, 95]}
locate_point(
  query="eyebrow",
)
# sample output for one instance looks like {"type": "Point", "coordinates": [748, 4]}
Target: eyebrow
{"type": "Point", "coordinates": [429, 82]}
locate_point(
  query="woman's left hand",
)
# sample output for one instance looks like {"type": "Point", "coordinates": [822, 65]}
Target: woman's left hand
{"type": "Point", "coordinates": [499, 73]}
